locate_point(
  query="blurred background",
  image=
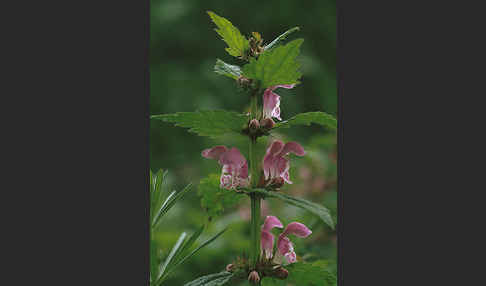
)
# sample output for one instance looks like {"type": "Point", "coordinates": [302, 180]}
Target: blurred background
{"type": "Point", "coordinates": [183, 50]}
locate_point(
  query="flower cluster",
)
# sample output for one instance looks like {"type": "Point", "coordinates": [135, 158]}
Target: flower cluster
{"type": "Point", "coordinates": [285, 247]}
{"type": "Point", "coordinates": [276, 164]}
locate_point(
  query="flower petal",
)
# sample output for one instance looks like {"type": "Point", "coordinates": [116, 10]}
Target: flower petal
{"type": "Point", "coordinates": [292, 147]}
{"type": "Point", "coordinates": [271, 104]}
{"type": "Point", "coordinates": [284, 245]}
{"type": "Point", "coordinates": [291, 257]}
{"type": "Point", "coordinates": [266, 242]}
{"type": "Point", "coordinates": [225, 182]}
{"type": "Point", "coordinates": [286, 176]}
{"type": "Point", "coordinates": [214, 153]}
{"type": "Point", "coordinates": [297, 228]}
{"type": "Point", "coordinates": [275, 148]}
{"type": "Point", "coordinates": [271, 222]}
{"type": "Point", "coordinates": [269, 160]}
{"type": "Point", "coordinates": [244, 171]}
{"type": "Point", "coordinates": [232, 157]}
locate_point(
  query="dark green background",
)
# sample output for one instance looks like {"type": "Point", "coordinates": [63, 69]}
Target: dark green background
{"type": "Point", "coordinates": [183, 50]}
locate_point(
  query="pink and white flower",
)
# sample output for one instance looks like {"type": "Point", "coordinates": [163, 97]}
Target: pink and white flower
{"type": "Point", "coordinates": [276, 164]}
{"type": "Point", "coordinates": [235, 168]}
{"type": "Point", "coordinates": [267, 239]}
{"type": "Point", "coordinates": [285, 247]}
{"type": "Point", "coordinates": [271, 101]}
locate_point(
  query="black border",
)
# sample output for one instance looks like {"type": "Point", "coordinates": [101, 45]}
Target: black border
{"type": "Point", "coordinates": [82, 148]}
{"type": "Point", "coordinates": [340, 145]}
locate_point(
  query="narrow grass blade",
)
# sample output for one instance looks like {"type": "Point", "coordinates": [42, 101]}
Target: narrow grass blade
{"type": "Point", "coordinates": [170, 256]}
{"type": "Point", "coordinates": [189, 243]}
{"type": "Point", "coordinates": [200, 247]}
{"type": "Point", "coordinates": [170, 202]}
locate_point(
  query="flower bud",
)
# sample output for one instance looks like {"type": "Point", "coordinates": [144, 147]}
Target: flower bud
{"type": "Point", "coordinates": [281, 273]}
{"type": "Point", "coordinates": [267, 123]}
{"type": "Point", "coordinates": [254, 124]}
{"type": "Point", "coordinates": [229, 267]}
{"type": "Point", "coordinates": [253, 277]}
{"type": "Point", "coordinates": [277, 182]}
{"type": "Point", "coordinates": [243, 81]}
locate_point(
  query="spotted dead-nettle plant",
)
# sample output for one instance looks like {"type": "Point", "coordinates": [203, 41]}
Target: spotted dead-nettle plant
{"type": "Point", "coordinates": [262, 70]}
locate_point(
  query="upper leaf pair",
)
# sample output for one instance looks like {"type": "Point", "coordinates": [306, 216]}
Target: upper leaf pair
{"type": "Point", "coordinates": [275, 65]}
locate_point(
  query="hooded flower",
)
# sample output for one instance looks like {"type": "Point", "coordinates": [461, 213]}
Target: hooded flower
{"type": "Point", "coordinates": [271, 101]}
{"type": "Point", "coordinates": [235, 168]}
{"type": "Point", "coordinates": [276, 164]}
{"type": "Point", "coordinates": [267, 238]}
{"type": "Point", "coordinates": [285, 246]}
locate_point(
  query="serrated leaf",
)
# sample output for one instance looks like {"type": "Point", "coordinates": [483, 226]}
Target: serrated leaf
{"type": "Point", "coordinates": [211, 123]}
{"type": "Point", "coordinates": [237, 43]}
{"type": "Point", "coordinates": [214, 199]}
{"type": "Point", "coordinates": [215, 279]}
{"type": "Point", "coordinates": [318, 210]}
{"type": "Point", "coordinates": [228, 70]}
{"type": "Point", "coordinates": [317, 117]}
{"type": "Point", "coordinates": [276, 66]}
{"type": "Point", "coordinates": [309, 274]}
{"type": "Point", "coordinates": [280, 38]}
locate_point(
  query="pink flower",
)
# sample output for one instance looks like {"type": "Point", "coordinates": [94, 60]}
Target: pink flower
{"type": "Point", "coordinates": [235, 168]}
{"type": "Point", "coordinates": [276, 165]}
{"type": "Point", "coordinates": [285, 246]}
{"type": "Point", "coordinates": [267, 238]}
{"type": "Point", "coordinates": [271, 101]}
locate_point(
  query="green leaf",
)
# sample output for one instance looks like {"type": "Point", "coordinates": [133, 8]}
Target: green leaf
{"type": "Point", "coordinates": [307, 118]}
{"type": "Point", "coordinates": [168, 260]}
{"type": "Point", "coordinates": [276, 66]}
{"type": "Point", "coordinates": [309, 274]}
{"type": "Point", "coordinates": [318, 210]}
{"type": "Point", "coordinates": [214, 199]}
{"type": "Point", "coordinates": [237, 43]}
{"type": "Point", "coordinates": [212, 123]}
{"type": "Point", "coordinates": [270, 281]}
{"type": "Point", "coordinates": [215, 279]}
{"type": "Point", "coordinates": [154, 261]}
{"type": "Point", "coordinates": [200, 247]}
{"type": "Point", "coordinates": [181, 250]}
{"type": "Point", "coordinates": [280, 38]}
{"type": "Point", "coordinates": [173, 259]}
{"type": "Point", "coordinates": [228, 70]}
{"type": "Point", "coordinates": [169, 202]}
{"type": "Point", "coordinates": [189, 243]}
{"type": "Point", "coordinates": [157, 185]}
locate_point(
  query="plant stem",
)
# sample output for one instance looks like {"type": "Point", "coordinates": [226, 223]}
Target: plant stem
{"type": "Point", "coordinates": [255, 229]}
{"type": "Point", "coordinates": [255, 198]}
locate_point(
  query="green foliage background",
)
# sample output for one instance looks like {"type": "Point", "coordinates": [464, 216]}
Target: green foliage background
{"type": "Point", "coordinates": [183, 51]}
